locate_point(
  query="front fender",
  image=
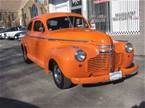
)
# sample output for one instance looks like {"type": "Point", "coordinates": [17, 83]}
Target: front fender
{"type": "Point", "coordinates": [65, 58]}
{"type": "Point", "coordinates": [127, 58]}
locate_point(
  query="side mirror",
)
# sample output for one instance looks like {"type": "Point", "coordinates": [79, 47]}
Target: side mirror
{"type": "Point", "coordinates": [41, 29]}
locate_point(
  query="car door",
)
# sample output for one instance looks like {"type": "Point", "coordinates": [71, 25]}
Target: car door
{"type": "Point", "coordinates": [38, 34]}
{"type": "Point", "coordinates": [29, 40]}
{"type": "Point", "coordinates": [12, 32]}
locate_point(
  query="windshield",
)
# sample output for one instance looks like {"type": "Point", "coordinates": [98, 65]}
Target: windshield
{"type": "Point", "coordinates": [66, 22]}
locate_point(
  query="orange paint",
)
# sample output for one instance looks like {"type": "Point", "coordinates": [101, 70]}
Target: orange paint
{"type": "Point", "coordinates": [61, 46]}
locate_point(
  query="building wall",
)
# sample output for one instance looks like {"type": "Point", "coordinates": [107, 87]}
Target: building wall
{"type": "Point", "coordinates": [25, 13]}
{"type": "Point", "coordinates": [66, 6]}
{"type": "Point", "coordinates": [124, 16]}
{"type": "Point", "coordinates": [85, 8]}
{"type": "Point", "coordinates": [136, 39]}
{"type": "Point", "coordinates": [8, 19]}
{"type": "Point", "coordinates": [142, 10]}
{"type": "Point", "coordinates": [59, 6]}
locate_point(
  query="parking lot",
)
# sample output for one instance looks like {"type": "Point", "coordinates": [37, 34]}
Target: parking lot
{"type": "Point", "coordinates": [27, 86]}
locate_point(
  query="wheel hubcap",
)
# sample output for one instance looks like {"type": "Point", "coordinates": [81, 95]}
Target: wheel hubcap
{"type": "Point", "coordinates": [57, 75]}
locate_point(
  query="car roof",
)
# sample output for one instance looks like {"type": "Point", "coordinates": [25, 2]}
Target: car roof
{"type": "Point", "coordinates": [54, 15]}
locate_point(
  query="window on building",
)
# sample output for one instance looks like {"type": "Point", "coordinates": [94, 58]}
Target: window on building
{"type": "Point", "coordinates": [76, 3]}
{"type": "Point", "coordinates": [79, 11]}
{"type": "Point", "coordinates": [38, 25]}
{"type": "Point", "coordinates": [125, 17]}
{"type": "Point", "coordinates": [34, 11]}
{"type": "Point", "coordinates": [13, 16]}
{"type": "Point", "coordinates": [102, 12]}
{"type": "Point", "coordinates": [76, 6]}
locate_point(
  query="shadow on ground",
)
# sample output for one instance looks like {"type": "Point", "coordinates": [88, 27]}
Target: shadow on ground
{"type": "Point", "coordinates": [142, 105]}
{"type": "Point", "coordinates": [10, 103]}
{"type": "Point", "coordinates": [110, 82]}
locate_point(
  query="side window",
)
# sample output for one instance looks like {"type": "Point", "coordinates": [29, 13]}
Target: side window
{"type": "Point", "coordinates": [16, 28]}
{"type": "Point", "coordinates": [29, 26]}
{"type": "Point", "coordinates": [79, 22]}
{"type": "Point", "coordinates": [58, 23]}
{"type": "Point", "coordinates": [38, 25]}
{"type": "Point", "coordinates": [13, 29]}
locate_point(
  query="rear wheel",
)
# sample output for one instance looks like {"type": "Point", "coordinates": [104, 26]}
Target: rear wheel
{"type": "Point", "coordinates": [26, 59]}
{"type": "Point", "coordinates": [60, 80]}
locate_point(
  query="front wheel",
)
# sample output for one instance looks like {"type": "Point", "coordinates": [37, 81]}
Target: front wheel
{"type": "Point", "coordinates": [60, 80]}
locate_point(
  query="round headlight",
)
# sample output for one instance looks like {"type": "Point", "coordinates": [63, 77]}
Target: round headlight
{"type": "Point", "coordinates": [129, 47]}
{"type": "Point", "coordinates": [80, 55]}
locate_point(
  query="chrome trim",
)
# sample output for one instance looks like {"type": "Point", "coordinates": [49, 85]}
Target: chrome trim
{"type": "Point", "coordinates": [110, 51]}
{"type": "Point", "coordinates": [104, 46]}
{"type": "Point", "coordinates": [121, 40]}
{"type": "Point", "coordinates": [128, 47]}
{"type": "Point", "coordinates": [62, 39]}
{"type": "Point", "coordinates": [106, 51]}
{"type": "Point", "coordinates": [76, 54]}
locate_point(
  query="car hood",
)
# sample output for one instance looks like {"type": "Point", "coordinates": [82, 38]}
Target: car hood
{"type": "Point", "coordinates": [81, 35]}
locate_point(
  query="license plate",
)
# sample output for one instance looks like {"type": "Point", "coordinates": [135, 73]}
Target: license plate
{"type": "Point", "coordinates": [115, 75]}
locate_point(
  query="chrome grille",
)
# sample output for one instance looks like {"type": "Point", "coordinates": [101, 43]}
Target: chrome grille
{"type": "Point", "coordinates": [100, 64]}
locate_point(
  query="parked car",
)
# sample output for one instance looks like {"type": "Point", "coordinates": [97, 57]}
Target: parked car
{"type": "Point", "coordinates": [2, 33]}
{"type": "Point", "coordinates": [19, 35]}
{"type": "Point", "coordinates": [11, 32]}
{"type": "Point", "coordinates": [64, 44]}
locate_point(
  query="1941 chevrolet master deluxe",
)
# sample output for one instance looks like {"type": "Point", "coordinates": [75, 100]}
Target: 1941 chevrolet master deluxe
{"type": "Point", "coordinates": [64, 44]}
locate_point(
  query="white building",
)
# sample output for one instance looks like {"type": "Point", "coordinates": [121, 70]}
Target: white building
{"type": "Point", "coordinates": [78, 6]}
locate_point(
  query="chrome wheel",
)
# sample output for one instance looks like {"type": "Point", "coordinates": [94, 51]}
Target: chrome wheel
{"type": "Point", "coordinates": [60, 80]}
{"type": "Point", "coordinates": [57, 74]}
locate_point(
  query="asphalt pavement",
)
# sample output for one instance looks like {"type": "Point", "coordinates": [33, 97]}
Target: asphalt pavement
{"type": "Point", "coordinates": [27, 86]}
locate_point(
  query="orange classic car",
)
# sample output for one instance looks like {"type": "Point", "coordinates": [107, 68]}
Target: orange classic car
{"type": "Point", "coordinates": [65, 45]}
